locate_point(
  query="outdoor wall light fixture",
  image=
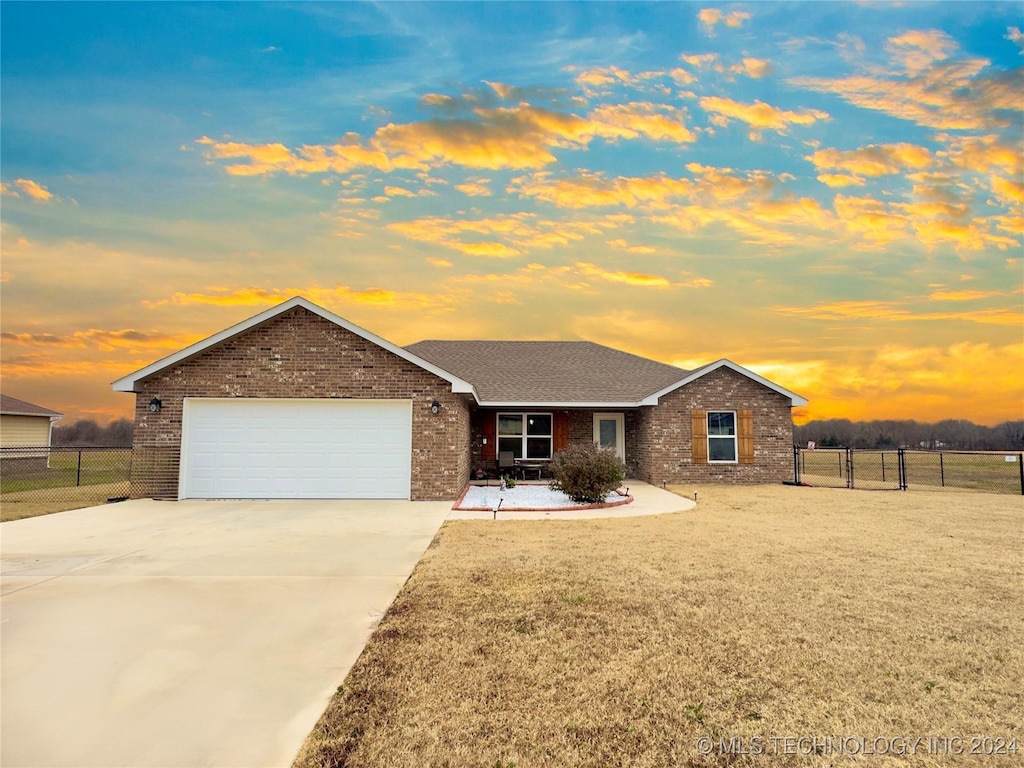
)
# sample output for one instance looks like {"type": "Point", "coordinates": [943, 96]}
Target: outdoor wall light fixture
{"type": "Point", "coordinates": [435, 407]}
{"type": "Point", "coordinates": [155, 405]}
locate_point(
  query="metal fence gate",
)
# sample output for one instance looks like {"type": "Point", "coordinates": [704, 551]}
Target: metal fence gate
{"type": "Point", "coordinates": [905, 469]}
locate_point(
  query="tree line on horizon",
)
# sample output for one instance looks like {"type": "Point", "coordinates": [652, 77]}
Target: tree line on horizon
{"type": "Point", "coordinates": [87, 433]}
{"type": "Point", "coordinates": [948, 434]}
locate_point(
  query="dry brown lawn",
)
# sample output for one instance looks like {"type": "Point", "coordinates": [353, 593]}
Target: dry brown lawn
{"type": "Point", "coordinates": [765, 613]}
{"type": "Point", "coordinates": [22, 504]}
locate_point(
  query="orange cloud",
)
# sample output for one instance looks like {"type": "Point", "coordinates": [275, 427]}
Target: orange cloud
{"type": "Point", "coordinates": [475, 188]}
{"type": "Point", "coordinates": [594, 190]}
{"type": "Point", "coordinates": [962, 295]}
{"type": "Point", "coordinates": [874, 160]}
{"type": "Point", "coordinates": [753, 68]}
{"type": "Point", "coordinates": [656, 121]}
{"type": "Point", "coordinates": [929, 90]}
{"type": "Point", "coordinates": [31, 189]}
{"type": "Point", "coordinates": [888, 311]}
{"type": "Point", "coordinates": [629, 278]}
{"type": "Point", "coordinates": [340, 294]}
{"type": "Point", "coordinates": [508, 235]}
{"type": "Point", "coordinates": [918, 50]}
{"type": "Point", "coordinates": [760, 116]}
{"type": "Point", "coordinates": [709, 17]}
{"type": "Point", "coordinates": [128, 337]}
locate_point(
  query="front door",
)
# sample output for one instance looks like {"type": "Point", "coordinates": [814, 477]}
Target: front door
{"type": "Point", "coordinates": [609, 432]}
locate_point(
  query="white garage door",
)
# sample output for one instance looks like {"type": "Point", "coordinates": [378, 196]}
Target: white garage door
{"type": "Point", "coordinates": [240, 448]}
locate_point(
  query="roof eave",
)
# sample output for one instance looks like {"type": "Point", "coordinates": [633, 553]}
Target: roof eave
{"type": "Point", "coordinates": [130, 383]}
{"type": "Point", "coordinates": [557, 404]}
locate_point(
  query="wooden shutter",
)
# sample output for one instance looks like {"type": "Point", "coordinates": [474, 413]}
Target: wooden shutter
{"type": "Point", "coordinates": [560, 431]}
{"type": "Point", "coordinates": [486, 424]}
{"type": "Point", "coordinates": [699, 451]}
{"type": "Point", "coordinates": [745, 433]}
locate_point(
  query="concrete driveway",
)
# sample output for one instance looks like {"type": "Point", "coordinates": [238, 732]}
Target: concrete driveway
{"type": "Point", "coordinates": [198, 633]}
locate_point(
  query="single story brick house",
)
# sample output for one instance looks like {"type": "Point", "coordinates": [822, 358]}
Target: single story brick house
{"type": "Point", "coordinates": [297, 402]}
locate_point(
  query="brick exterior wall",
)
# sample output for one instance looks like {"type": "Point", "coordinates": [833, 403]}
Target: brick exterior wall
{"type": "Point", "coordinates": [294, 355]}
{"type": "Point", "coordinates": [659, 440]}
{"type": "Point", "coordinates": [581, 430]}
{"type": "Point", "coordinates": [665, 432]}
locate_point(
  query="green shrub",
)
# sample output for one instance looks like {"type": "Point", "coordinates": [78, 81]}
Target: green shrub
{"type": "Point", "coordinates": [586, 473]}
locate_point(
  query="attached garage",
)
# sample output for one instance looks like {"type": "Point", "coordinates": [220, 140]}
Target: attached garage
{"type": "Point", "coordinates": [254, 448]}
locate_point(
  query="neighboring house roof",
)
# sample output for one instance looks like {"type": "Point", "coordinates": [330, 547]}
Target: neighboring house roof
{"type": "Point", "coordinates": [12, 406]}
{"type": "Point", "coordinates": [131, 382]}
{"type": "Point", "coordinates": [550, 372]}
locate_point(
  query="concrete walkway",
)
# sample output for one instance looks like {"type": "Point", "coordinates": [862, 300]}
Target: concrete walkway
{"type": "Point", "coordinates": [647, 500]}
{"type": "Point", "coordinates": [191, 633]}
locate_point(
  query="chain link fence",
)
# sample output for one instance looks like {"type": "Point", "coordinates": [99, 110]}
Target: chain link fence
{"type": "Point", "coordinates": [40, 479]}
{"type": "Point", "coordinates": [904, 469]}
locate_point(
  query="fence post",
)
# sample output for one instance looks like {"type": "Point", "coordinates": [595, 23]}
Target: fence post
{"type": "Point", "coordinates": [901, 466]}
{"type": "Point", "coordinates": [942, 470]}
{"type": "Point", "coordinates": [1020, 466]}
{"type": "Point", "coordinates": [849, 468]}
{"type": "Point", "coordinates": [78, 477]}
{"type": "Point", "coordinates": [883, 466]}
{"type": "Point", "coordinates": [796, 464]}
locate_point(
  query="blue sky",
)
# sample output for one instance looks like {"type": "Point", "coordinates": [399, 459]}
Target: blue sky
{"type": "Point", "coordinates": [827, 193]}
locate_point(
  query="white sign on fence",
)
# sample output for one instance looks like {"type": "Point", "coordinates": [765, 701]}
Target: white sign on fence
{"type": "Point", "coordinates": [1008, 459]}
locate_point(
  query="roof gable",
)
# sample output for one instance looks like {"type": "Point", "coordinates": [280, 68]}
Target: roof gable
{"type": "Point", "coordinates": [130, 382]}
{"type": "Point", "coordinates": [12, 406]}
{"type": "Point", "coordinates": [794, 398]}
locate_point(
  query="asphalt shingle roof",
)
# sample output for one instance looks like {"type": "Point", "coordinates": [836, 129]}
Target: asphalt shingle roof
{"type": "Point", "coordinates": [15, 407]}
{"type": "Point", "coordinates": [549, 371]}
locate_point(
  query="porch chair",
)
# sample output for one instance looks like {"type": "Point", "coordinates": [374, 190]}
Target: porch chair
{"type": "Point", "coordinates": [506, 461]}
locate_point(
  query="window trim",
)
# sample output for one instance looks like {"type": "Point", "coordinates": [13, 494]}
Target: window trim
{"type": "Point", "coordinates": [525, 437]}
{"type": "Point", "coordinates": [734, 437]}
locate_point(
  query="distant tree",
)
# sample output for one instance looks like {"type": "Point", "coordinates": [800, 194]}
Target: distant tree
{"type": "Point", "coordinates": [86, 432]}
{"type": "Point", "coordinates": [950, 434]}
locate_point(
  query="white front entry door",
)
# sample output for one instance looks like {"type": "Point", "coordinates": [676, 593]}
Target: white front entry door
{"type": "Point", "coordinates": [248, 448]}
{"type": "Point", "coordinates": [609, 432]}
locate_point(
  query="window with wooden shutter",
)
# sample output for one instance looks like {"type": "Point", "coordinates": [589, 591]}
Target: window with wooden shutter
{"type": "Point", "coordinates": [746, 436]}
{"type": "Point", "coordinates": [700, 437]}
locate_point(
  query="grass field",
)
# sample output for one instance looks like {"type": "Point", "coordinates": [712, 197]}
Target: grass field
{"type": "Point", "coordinates": [66, 468]}
{"type": "Point", "coordinates": [765, 613]}
{"type": "Point", "coordinates": [926, 470]}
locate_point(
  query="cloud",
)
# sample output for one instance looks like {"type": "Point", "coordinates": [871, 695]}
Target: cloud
{"type": "Point", "coordinates": [658, 122]}
{"type": "Point", "coordinates": [753, 68]}
{"type": "Point", "coordinates": [974, 295]}
{"type": "Point", "coordinates": [760, 116]}
{"type": "Point", "coordinates": [918, 50]}
{"type": "Point", "coordinates": [93, 337]}
{"type": "Point", "coordinates": [1015, 36]}
{"type": "Point", "coordinates": [710, 17]}
{"type": "Point", "coordinates": [27, 188]}
{"type": "Point", "coordinates": [891, 311]}
{"type": "Point", "coordinates": [594, 190]}
{"type": "Point", "coordinates": [521, 136]}
{"type": "Point", "coordinates": [340, 294]}
{"type": "Point", "coordinates": [926, 85]}
{"type": "Point", "coordinates": [477, 188]}
{"type": "Point", "coordinates": [501, 236]}
{"type": "Point", "coordinates": [874, 160]}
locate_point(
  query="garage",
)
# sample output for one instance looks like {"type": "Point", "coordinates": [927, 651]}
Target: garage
{"type": "Point", "coordinates": [246, 448]}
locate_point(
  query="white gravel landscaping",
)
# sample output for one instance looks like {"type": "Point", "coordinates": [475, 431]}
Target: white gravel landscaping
{"type": "Point", "coordinates": [523, 497]}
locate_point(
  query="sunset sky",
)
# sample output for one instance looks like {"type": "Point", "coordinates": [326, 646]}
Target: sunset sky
{"type": "Point", "coordinates": [830, 194]}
